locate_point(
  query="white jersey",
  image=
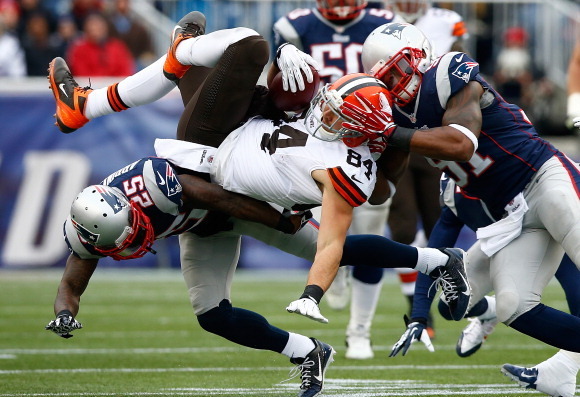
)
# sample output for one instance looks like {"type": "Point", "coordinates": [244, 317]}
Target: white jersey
{"type": "Point", "coordinates": [442, 27]}
{"type": "Point", "coordinates": [273, 161]}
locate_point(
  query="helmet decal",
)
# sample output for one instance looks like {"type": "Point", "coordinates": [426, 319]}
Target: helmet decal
{"type": "Point", "coordinates": [395, 29]}
{"type": "Point", "coordinates": [112, 198]}
{"type": "Point", "coordinates": [86, 234]}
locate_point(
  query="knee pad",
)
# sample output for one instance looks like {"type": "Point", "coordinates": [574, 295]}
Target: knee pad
{"type": "Point", "coordinates": [508, 306]}
{"type": "Point", "coordinates": [216, 319]}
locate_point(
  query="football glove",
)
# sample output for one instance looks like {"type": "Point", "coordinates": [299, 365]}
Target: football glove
{"type": "Point", "coordinates": [369, 120]}
{"type": "Point", "coordinates": [307, 307]}
{"type": "Point", "coordinates": [64, 324]}
{"type": "Point", "coordinates": [415, 331]}
{"type": "Point", "coordinates": [291, 61]}
{"type": "Point", "coordinates": [377, 147]}
{"type": "Point", "coordinates": [298, 218]}
{"type": "Point", "coordinates": [576, 122]}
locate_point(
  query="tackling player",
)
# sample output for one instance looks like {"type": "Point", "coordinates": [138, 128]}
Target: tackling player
{"type": "Point", "coordinates": [446, 111]}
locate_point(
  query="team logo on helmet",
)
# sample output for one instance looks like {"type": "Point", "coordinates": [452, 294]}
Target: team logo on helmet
{"type": "Point", "coordinates": [112, 199]}
{"type": "Point", "coordinates": [395, 29]}
{"type": "Point", "coordinates": [86, 234]}
{"type": "Point", "coordinates": [464, 70]}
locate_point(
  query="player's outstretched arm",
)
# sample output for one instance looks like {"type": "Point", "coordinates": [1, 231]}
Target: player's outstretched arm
{"type": "Point", "coordinates": [75, 279]}
{"type": "Point", "coordinates": [199, 193]}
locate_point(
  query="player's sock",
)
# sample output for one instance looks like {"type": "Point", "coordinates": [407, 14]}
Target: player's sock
{"type": "Point", "coordinates": [363, 303]}
{"type": "Point", "coordinates": [298, 346]}
{"type": "Point", "coordinates": [378, 251]}
{"type": "Point", "coordinates": [567, 276]}
{"type": "Point", "coordinates": [550, 326]}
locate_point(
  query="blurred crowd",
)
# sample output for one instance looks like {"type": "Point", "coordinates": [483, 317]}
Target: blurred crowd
{"type": "Point", "coordinates": [102, 38]}
{"type": "Point", "coordinates": [96, 37]}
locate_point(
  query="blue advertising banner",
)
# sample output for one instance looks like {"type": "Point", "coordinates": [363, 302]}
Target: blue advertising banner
{"type": "Point", "coordinates": [42, 170]}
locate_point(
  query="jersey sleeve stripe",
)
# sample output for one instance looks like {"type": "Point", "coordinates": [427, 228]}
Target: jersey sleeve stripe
{"type": "Point", "coordinates": [459, 29]}
{"type": "Point", "coordinates": [114, 98]}
{"type": "Point", "coordinates": [346, 188]}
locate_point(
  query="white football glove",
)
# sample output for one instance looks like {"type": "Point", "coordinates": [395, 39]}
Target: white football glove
{"type": "Point", "coordinates": [308, 308]}
{"type": "Point", "coordinates": [291, 61]}
{"type": "Point", "coordinates": [576, 122]}
{"type": "Point", "coordinates": [64, 324]}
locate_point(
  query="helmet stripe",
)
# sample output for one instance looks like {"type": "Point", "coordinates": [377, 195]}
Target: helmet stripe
{"type": "Point", "coordinates": [356, 83]}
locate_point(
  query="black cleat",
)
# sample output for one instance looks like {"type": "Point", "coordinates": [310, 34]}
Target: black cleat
{"type": "Point", "coordinates": [455, 289]}
{"type": "Point", "coordinates": [313, 367]}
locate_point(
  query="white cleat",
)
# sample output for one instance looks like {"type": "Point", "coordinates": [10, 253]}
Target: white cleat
{"type": "Point", "coordinates": [473, 336]}
{"type": "Point", "coordinates": [358, 344]}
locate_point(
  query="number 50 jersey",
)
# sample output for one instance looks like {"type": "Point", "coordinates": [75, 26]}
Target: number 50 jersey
{"type": "Point", "coordinates": [274, 161]}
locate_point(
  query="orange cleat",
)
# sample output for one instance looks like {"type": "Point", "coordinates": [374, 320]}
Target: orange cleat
{"type": "Point", "coordinates": [70, 98]}
{"type": "Point", "coordinates": [191, 25]}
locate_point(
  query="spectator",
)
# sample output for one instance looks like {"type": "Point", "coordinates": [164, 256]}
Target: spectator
{"type": "Point", "coordinates": [40, 46]}
{"type": "Point", "coordinates": [9, 15]}
{"type": "Point", "coordinates": [81, 9]}
{"type": "Point", "coordinates": [132, 33]}
{"type": "Point", "coordinates": [11, 54]}
{"type": "Point", "coordinates": [513, 75]}
{"type": "Point", "coordinates": [67, 31]}
{"type": "Point", "coordinates": [98, 54]}
{"type": "Point", "coordinates": [31, 9]}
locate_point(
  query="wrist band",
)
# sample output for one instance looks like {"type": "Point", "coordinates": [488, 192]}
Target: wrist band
{"type": "Point", "coordinates": [64, 313]}
{"type": "Point", "coordinates": [467, 132]}
{"type": "Point", "coordinates": [313, 291]}
{"type": "Point", "coordinates": [401, 138]}
{"type": "Point", "coordinates": [284, 225]}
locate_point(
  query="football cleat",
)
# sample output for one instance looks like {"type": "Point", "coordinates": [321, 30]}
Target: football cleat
{"type": "Point", "coordinates": [473, 336]}
{"type": "Point", "coordinates": [313, 367]}
{"type": "Point", "coordinates": [338, 295]}
{"type": "Point", "coordinates": [526, 377]}
{"type": "Point", "coordinates": [555, 376]}
{"type": "Point", "coordinates": [358, 344]}
{"type": "Point", "coordinates": [191, 25]}
{"type": "Point", "coordinates": [70, 98]}
{"type": "Point", "coordinates": [452, 278]}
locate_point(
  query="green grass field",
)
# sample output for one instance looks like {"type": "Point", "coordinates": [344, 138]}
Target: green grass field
{"type": "Point", "coordinates": [140, 338]}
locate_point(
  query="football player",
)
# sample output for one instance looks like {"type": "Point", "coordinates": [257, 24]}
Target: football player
{"type": "Point", "coordinates": [333, 32]}
{"type": "Point", "coordinates": [418, 189]}
{"type": "Point", "coordinates": [446, 111]}
{"type": "Point", "coordinates": [307, 162]}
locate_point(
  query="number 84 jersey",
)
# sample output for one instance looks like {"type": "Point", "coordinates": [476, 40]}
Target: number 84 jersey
{"type": "Point", "coordinates": [274, 161]}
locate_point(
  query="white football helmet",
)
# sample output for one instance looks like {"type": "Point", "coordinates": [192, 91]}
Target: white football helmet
{"type": "Point", "coordinates": [398, 54]}
{"type": "Point", "coordinates": [340, 9]}
{"type": "Point", "coordinates": [117, 227]}
{"type": "Point", "coordinates": [409, 10]}
{"type": "Point", "coordinates": [324, 119]}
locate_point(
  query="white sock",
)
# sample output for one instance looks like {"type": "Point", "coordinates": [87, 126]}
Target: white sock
{"type": "Point", "coordinates": [298, 346]}
{"type": "Point", "coordinates": [573, 359]}
{"type": "Point", "coordinates": [429, 259]}
{"type": "Point", "coordinates": [207, 50]}
{"type": "Point", "coordinates": [490, 312]}
{"type": "Point", "coordinates": [363, 304]}
{"type": "Point", "coordinates": [145, 86]}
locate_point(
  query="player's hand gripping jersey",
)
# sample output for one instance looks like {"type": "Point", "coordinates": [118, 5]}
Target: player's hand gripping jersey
{"type": "Point", "coordinates": [152, 184]}
{"type": "Point", "coordinates": [336, 48]}
{"type": "Point", "coordinates": [506, 157]}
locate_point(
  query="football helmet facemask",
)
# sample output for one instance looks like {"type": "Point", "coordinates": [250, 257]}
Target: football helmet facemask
{"type": "Point", "coordinates": [324, 119]}
{"type": "Point", "coordinates": [398, 54]}
{"type": "Point", "coordinates": [409, 10]}
{"type": "Point", "coordinates": [117, 227]}
{"type": "Point", "coordinates": [340, 9]}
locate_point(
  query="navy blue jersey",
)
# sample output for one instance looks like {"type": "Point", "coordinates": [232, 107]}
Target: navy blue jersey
{"type": "Point", "coordinates": [337, 48]}
{"type": "Point", "coordinates": [510, 150]}
{"type": "Point", "coordinates": [152, 184]}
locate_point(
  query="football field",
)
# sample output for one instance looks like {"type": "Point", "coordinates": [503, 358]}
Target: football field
{"type": "Point", "coordinates": [140, 338]}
